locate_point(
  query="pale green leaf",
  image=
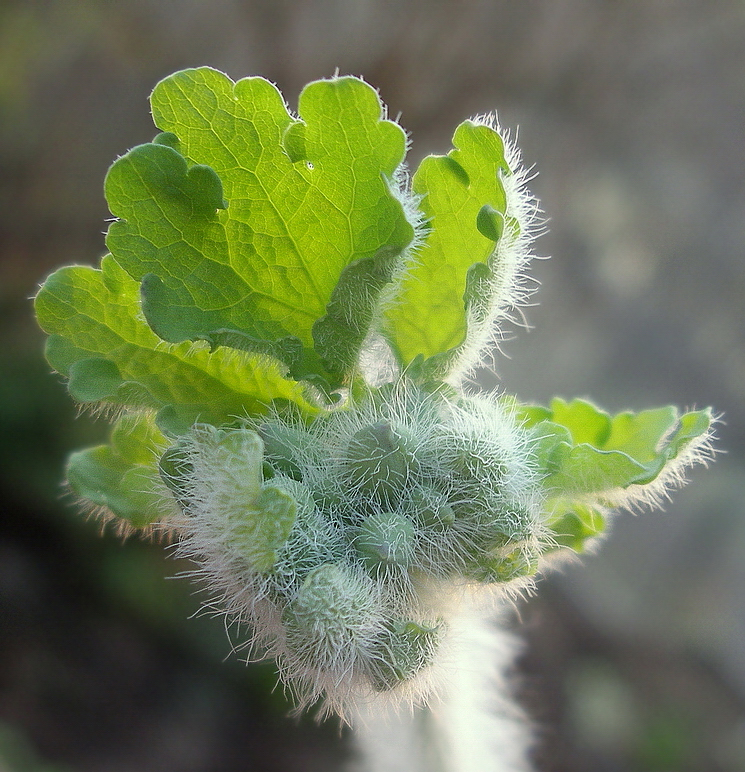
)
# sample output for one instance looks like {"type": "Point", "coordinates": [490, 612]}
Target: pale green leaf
{"type": "Point", "coordinates": [573, 524]}
{"type": "Point", "coordinates": [265, 526]}
{"type": "Point", "coordinates": [259, 517]}
{"type": "Point", "coordinates": [582, 450]}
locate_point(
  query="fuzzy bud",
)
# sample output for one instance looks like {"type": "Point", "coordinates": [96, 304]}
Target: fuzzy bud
{"type": "Point", "coordinates": [503, 566]}
{"type": "Point", "coordinates": [369, 519]}
{"type": "Point", "coordinates": [385, 540]}
{"type": "Point", "coordinates": [402, 651]}
{"type": "Point", "coordinates": [283, 445]}
{"type": "Point", "coordinates": [380, 460]}
{"type": "Point", "coordinates": [432, 509]}
{"type": "Point", "coordinates": [333, 614]}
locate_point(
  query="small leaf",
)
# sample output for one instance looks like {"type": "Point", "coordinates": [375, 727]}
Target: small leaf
{"type": "Point", "coordinates": [693, 426]}
{"type": "Point", "coordinates": [293, 142]}
{"type": "Point", "coordinates": [573, 524]}
{"type": "Point", "coordinates": [490, 222]}
{"type": "Point", "coordinates": [551, 445]}
{"type": "Point", "coordinates": [263, 527]}
{"type": "Point", "coordinates": [93, 380]}
{"type": "Point", "coordinates": [583, 450]}
{"type": "Point", "coordinates": [639, 434]}
{"type": "Point", "coordinates": [586, 469]}
{"type": "Point", "coordinates": [466, 274]}
{"type": "Point", "coordinates": [167, 138]}
{"type": "Point", "coordinates": [122, 476]}
{"type": "Point", "coordinates": [251, 520]}
{"type": "Point", "coordinates": [175, 323]}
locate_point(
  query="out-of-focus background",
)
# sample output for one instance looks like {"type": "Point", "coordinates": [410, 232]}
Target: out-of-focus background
{"type": "Point", "coordinates": [634, 114]}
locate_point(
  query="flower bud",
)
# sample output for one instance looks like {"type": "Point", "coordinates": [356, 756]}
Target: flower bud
{"type": "Point", "coordinates": [503, 567]}
{"type": "Point", "coordinates": [283, 446]}
{"type": "Point", "coordinates": [313, 540]}
{"type": "Point", "coordinates": [385, 540]}
{"type": "Point", "coordinates": [474, 461]}
{"type": "Point", "coordinates": [330, 498]}
{"type": "Point", "coordinates": [333, 615]}
{"type": "Point", "coordinates": [496, 523]}
{"type": "Point", "coordinates": [431, 509]}
{"type": "Point", "coordinates": [379, 461]}
{"type": "Point", "coordinates": [401, 652]}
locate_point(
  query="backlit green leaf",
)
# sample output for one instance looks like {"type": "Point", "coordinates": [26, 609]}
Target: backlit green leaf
{"type": "Point", "coordinates": [464, 275]}
{"type": "Point", "coordinates": [307, 209]}
{"type": "Point", "coordinates": [99, 340]}
{"type": "Point", "coordinates": [583, 450]}
{"type": "Point", "coordinates": [573, 524]}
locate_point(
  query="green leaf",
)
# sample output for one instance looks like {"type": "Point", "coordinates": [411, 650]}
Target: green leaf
{"type": "Point", "coordinates": [585, 422]}
{"type": "Point", "coordinates": [353, 308]}
{"type": "Point", "coordinates": [311, 236]}
{"type": "Point", "coordinates": [589, 470]}
{"type": "Point", "coordinates": [490, 222]}
{"type": "Point", "coordinates": [693, 426]}
{"type": "Point", "coordinates": [122, 477]}
{"type": "Point", "coordinates": [93, 380]}
{"type": "Point", "coordinates": [257, 518]}
{"type": "Point", "coordinates": [99, 340]}
{"type": "Point", "coordinates": [266, 526]}
{"type": "Point", "coordinates": [583, 450]}
{"type": "Point", "coordinates": [453, 294]}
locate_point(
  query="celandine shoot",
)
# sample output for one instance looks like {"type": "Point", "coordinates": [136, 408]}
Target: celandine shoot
{"type": "Point", "coordinates": [284, 324]}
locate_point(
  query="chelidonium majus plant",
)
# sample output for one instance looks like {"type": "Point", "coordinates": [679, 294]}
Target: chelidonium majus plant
{"type": "Point", "coordinates": [283, 328]}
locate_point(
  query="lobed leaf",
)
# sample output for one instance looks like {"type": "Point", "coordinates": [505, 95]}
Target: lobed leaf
{"type": "Point", "coordinates": [100, 341]}
{"type": "Point", "coordinates": [256, 252]}
{"type": "Point", "coordinates": [574, 524]}
{"type": "Point", "coordinates": [465, 273]}
{"type": "Point", "coordinates": [583, 450]}
{"type": "Point", "coordinates": [307, 210]}
{"type": "Point", "coordinates": [264, 527]}
{"type": "Point", "coordinates": [258, 518]}
{"type": "Point", "coordinates": [122, 476]}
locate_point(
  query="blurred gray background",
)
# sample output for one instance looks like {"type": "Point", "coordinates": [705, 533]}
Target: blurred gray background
{"type": "Point", "coordinates": [633, 114]}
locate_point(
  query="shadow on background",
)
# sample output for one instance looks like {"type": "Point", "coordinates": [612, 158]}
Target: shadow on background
{"type": "Point", "coordinates": [633, 113]}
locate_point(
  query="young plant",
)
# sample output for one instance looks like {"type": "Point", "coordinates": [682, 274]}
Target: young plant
{"type": "Point", "coordinates": [282, 329]}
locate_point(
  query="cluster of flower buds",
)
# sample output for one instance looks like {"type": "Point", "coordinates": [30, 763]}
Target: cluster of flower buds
{"type": "Point", "coordinates": [344, 543]}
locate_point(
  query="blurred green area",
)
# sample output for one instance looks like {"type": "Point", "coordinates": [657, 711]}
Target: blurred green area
{"type": "Point", "coordinates": [633, 115]}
